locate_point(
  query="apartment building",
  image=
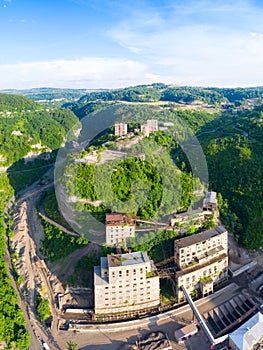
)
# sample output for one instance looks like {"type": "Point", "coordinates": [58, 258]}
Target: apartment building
{"type": "Point", "coordinates": [119, 227]}
{"type": "Point", "coordinates": [201, 260]}
{"type": "Point", "coordinates": [149, 127]}
{"type": "Point", "coordinates": [120, 129]}
{"type": "Point", "coordinates": [152, 125]}
{"type": "Point", "coordinates": [125, 283]}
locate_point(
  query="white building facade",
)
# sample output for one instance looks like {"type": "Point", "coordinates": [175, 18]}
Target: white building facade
{"type": "Point", "coordinates": [119, 228]}
{"type": "Point", "coordinates": [125, 283]}
{"type": "Point", "coordinates": [201, 260]}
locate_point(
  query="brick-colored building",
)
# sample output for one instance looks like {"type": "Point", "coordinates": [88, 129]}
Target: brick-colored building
{"type": "Point", "coordinates": [125, 283]}
{"type": "Point", "coordinates": [119, 227]}
{"type": "Point", "coordinates": [201, 260]}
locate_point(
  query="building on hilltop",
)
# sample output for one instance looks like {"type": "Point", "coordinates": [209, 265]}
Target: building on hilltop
{"type": "Point", "coordinates": [150, 127]}
{"type": "Point", "coordinates": [210, 202]}
{"type": "Point", "coordinates": [125, 283]}
{"type": "Point", "coordinates": [201, 261]}
{"type": "Point", "coordinates": [119, 227]}
{"type": "Point", "coordinates": [120, 129]}
{"type": "Point", "coordinates": [145, 130]}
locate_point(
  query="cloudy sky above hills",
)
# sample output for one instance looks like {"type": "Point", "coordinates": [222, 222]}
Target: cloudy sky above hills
{"type": "Point", "coordinates": [110, 43]}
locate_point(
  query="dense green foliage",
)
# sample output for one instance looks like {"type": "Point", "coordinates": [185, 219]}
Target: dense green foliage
{"type": "Point", "coordinates": [28, 125]}
{"type": "Point", "coordinates": [52, 210]}
{"type": "Point", "coordinates": [15, 103]}
{"type": "Point", "coordinates": [161, 92]}
{"type": "Point", "coordinates": [234, 153]}
{"type": "Point", "coordinates": [58, 244]}
{"type": "Point", "coordinates": [51, 95]}
{"type": "Point", "coordinates": [131, 170]}
{"type": "Point", "coordinates": [159, 246]}
{"type": "Point", "coordinates": [43, 309]}
{"type": "Point", "coordinates": [12, 324]}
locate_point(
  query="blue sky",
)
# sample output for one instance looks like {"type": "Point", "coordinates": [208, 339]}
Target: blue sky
{"type": "Point", "coordinates": [111, 44]}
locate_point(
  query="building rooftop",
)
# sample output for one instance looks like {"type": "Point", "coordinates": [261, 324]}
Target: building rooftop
{"type": "Point", "coordinates": [185, 331]}
{"type": "Point", "coordinates": [127, 259]}
{"type": "Point", "coordinates": [199, 237]}
{"type": "Point", "coordinates": [210, 197]}
{"type": "Point", "coordinates": [249, 333]}
{"type": "Point", "coordinates": [98, 280]}
{"type": "Point", "coordinates": [118, 219]}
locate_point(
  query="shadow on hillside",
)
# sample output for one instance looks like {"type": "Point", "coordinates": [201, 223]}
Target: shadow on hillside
{"type": "Point", "coordinates": [23, 173]}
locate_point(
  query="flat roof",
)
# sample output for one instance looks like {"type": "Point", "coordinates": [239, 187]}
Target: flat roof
{"type": "Point", "coordinates": [199, 237]}
{"type": "Point", "coordinates": [185, 331]}
{"type": "Point", "coordinates": [119, 219]}
{"type": "Point", "coordinates": [210, 197]}
{"type": "Point", "coordinates": [98, 280]}
{"type": "Point", "coordinates": [127, 259]}
{"type": "Point", "coordinates": [249, 333]}
{"type": "Point", "coordinates": [116, 217]}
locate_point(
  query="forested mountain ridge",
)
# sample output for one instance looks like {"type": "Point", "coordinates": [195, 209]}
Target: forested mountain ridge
{"type": "Point", "coordinates": [179, 94]}
{"type": "Point", "coordinates": [26, 126]}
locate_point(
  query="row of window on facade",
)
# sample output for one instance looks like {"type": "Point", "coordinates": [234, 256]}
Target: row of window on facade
{"type": "Point", "coordinates": [187, 280]}
{"type": "Point", "coordinates": [128, 272]}
{"type": "Point", "coordinates": [199, 247]}
{"type": "Point", "coordinates": [114, 302]}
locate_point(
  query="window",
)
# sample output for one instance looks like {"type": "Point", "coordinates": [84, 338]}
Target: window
{"type": "Point", "coordinates": [127, 272]}
{"type": "Point", "coordinates": [134, 271]}
{"type": "Point", "coordinates": [120, 273]}
{"type": "Point", "coordinates": [141, 270]}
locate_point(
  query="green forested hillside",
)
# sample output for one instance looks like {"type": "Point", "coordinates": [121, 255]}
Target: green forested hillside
{"type": "Point", "coordinates": [232, 141]}
{"type": "Point", "coordinates": [22, 124]}
{"type": "Point", "coordinates": [234, 153]}
{"type": "Point", "coordinates": [162, 92]}
{"type": "Point", "coordinates": [27, 124]}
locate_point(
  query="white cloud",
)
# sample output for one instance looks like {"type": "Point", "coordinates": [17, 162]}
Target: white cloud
{"type": "Point", "coordinates": [89, 72]}
{"type": "Point", "coordinates": [200, 43]}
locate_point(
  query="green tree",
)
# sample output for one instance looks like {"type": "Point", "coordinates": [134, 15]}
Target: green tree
{"type": "Point", "coordinates": [71, 345]}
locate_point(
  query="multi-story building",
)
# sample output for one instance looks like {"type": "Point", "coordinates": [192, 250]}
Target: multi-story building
{"type": "Point", "coordinates": [120, 129]}
{"type": "Point", "coordinates": [125, 283]}
{"type": "Point", "coordinates": [152, 125]}
{"type": "Point", "coordinates": [119, 227]}
{"type": "Point", "coordinates": [201, 260]}
{"type": "Point", "coordinates": [145, 130]}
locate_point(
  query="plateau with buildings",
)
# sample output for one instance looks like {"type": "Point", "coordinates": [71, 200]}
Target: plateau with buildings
{"type": "Point", "coordinates": [127, 285]}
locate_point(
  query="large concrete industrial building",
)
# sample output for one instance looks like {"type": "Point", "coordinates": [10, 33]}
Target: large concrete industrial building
{"type": "Point", "coordinates": [201, 261]}
{"type": "Point", "coordinates": [125, 283]}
